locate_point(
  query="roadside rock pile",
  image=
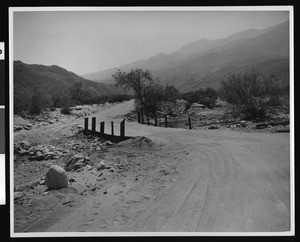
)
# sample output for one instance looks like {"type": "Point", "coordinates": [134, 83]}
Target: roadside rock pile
{"type": "Point", "coordinates": [39, 152]}
{"type": "Point", "coordinates": [87, 144]}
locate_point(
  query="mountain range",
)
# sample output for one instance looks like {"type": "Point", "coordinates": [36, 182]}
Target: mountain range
{"type": "Point", "coordinates": [205, 63]}
{"type": "Point", "coordinates": [53, 78]}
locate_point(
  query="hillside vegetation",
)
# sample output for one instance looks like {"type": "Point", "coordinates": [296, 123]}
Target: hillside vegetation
{"type": "Point", "coordinates": [37, 87]}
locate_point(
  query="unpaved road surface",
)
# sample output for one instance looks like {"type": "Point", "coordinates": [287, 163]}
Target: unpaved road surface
{"type": "Point", "coordinates": [197, 181]}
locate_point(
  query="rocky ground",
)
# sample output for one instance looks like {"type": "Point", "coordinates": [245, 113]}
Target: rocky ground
{"type": "Point", "coordinates": [135, 185]}
{"type": "Point", "coordinates": [91, 162]}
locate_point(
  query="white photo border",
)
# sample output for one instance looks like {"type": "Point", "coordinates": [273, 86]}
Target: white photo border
{"type": "Point", "coordinates": [288, 8]}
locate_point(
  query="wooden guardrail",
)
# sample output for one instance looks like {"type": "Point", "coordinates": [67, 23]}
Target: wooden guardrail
{"type": "Point", "coordinates": [112, 137]}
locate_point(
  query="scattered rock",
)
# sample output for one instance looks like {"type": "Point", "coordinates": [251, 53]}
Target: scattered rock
{"type": "Point", "coordinates": [17, 128]}
{"type": "Point", "coordinates": [89, 167]}
{"type": "Point", "coordinates": [72, 180]}
{"type": "Point", "coordinates": [261, 126]}
{"type": "Point", "coordinates": [18, 195]}
{"type": "Point", "coordinates": [24, 144]}
{"type": "Point", "coordinates": [49, 155]}
{"type": "Point", "coordinates": [102, 166]}
{"type": "Point", "coordinates": [22, 152]}
{"type": "Point", "coordinates": [56, 178]}
{"type": "Point", "coordinates": [107, 143]}
{"type": "Point", "coordinates": [39, 155]}
{"type": "Point", "coordinates": [45, 150]}
{"type": "Point", "coordinates": [33, 157]}
{"type": "Point", "coordinates": [68, 201]}
{"type": "Point", "coordinates": [213, 127]}
{"type": "Point", "coordinates": [76, 162]}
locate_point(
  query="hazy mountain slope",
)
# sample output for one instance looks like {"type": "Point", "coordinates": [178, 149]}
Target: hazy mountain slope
{"type": "Point", "coordinates": [206, 62]}
{"type": "Point", "coordinates": [239, 56]}
{"type": "Point", "coordinates": [52, 78]}
{"type": "Point", "coordinates": [213, 79]}
{"type": "Point", "coordinates": [206, 44]}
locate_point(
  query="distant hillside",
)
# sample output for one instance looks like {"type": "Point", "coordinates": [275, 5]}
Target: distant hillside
{"type": "Point", "coordinates": [53, 78]}
{"type": "Point", "coordinates": [205, 63]}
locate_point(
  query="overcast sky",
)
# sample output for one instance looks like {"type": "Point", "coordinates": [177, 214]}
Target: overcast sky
{"type": "Point", "coordinates": [86, 42]}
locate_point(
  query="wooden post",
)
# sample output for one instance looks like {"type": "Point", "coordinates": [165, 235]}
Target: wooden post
{"type": "Point", "coordinates": [86, 124]}
{"type": "Point", "coordinates": [142, 116]}
{"type": "Point", "coordinates": [122, 128]}
{"type": "Point", "coordinates": [155, 119]}
{"type": "Point", "coordinates": [166, 121]}
{"type": "Point", "coordinates": [190, 124]}
{"type": "Point", "coordinates": [102, 127]}
{"type": "Point", "coordinates": [112, 128]}
{"type": "Point", "coordinates": [94, 124]}
{"type": "Point", "coordinates": [139, 116]}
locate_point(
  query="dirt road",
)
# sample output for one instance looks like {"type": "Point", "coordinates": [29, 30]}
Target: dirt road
{"type": "Point", "coordinates": [201, 181]}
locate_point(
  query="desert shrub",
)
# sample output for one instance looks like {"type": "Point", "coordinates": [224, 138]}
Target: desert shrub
{"type": "Point", "coordinates": [40, 100]}
{"type": "Point", "coordinates": [207, 97]}
{"type": "Point", "coordinates": [118, 98]}
{"type": "Point", "coordinates": [66, 110]}
{"type": "Point", "coordinates": [251, 95]}
{"type": "Point", "coordinates": [61, 98]}
{"type": "Point", "coordinates": [113, 98]}
{"type": "Point", "coordinates": [207, 101]}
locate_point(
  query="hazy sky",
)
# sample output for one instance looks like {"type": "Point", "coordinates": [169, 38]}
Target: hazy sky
{"type": "Point", "coordinates": [85, 42]}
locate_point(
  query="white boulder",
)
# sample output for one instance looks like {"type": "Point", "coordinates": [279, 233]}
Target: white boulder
{"type": "Point", "coordinates": [56, 178]}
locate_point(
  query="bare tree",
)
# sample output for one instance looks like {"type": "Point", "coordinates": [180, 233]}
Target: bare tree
{"type": "Point", "coordinates": [147, 90]}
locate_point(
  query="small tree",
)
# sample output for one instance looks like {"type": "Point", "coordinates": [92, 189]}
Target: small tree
{"type": "Point", "coordinates": [251, 94]}
{"type": "Point", "coordinates": [147, 90]}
